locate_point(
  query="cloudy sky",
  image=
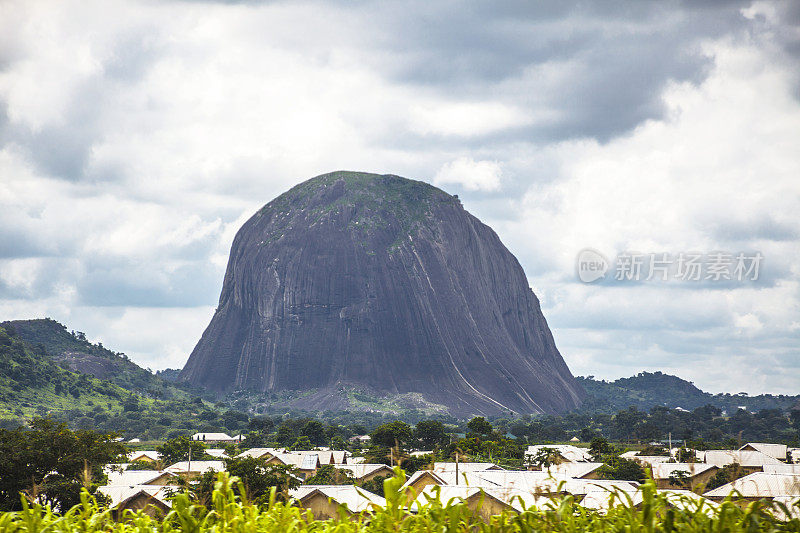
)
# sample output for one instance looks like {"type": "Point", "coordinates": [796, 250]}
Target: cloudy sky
{"type": "Point", "coordinates": [136, 137]}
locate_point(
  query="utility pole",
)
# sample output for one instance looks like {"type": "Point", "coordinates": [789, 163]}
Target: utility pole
{"type": "Point", "coordinates": [456, 467]}
{"type": "Point", "coordinates": [189, 467]}
{"type": "Point", "coordinates": [670, 444]}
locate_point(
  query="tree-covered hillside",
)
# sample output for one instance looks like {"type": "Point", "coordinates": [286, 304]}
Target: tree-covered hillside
{"type": "Point", "coordinates": [72, 351]}
{"type": "Point", "coordinates": [33, 384]}
{"type": "Point", "coordinates": [652, 389]}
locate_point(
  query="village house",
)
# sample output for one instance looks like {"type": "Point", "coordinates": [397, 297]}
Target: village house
{"type": "Point", "coordinates": [567, 453]}
{"type": "Point", "coordinates": [425, 478]}
{"type": "Point", "coordinates": [576, 470]}
{"type": "Point", "coordinates": [649, 461]}
{"type": "Point", "coordinates": [777, 451]}
{"type": "Point", "coordinates": [216, 437]}
{"type": "Point", "coordinates": [152, 499]}
{"type": "Point", "coordinates": [306, 463]}
{"type": "Point", "coordinates": [603, 500]}
{"type": "Point", "coordinates": [366, 471]}
{"type": "Point", "coordinates": [261, 453]}
{"type": "Point", "coordinates": [147, 456]}
{"type": "Point", "coordinates": [328, 501]}
{"type": "Point", "coordinates": [758, 486]}
{"type": "Point", "coordinates": [484, 503]}
{"type": "Point", "coordinates": [195, 469]}
{"type": "Point", "coordinates": [141, 477]}
{"type": "Point", "coordinates": [682, 475]}
{"type": "Point", "coordinates": [749, 461]}
{"type": "Point", "coordinates": [783, 469]}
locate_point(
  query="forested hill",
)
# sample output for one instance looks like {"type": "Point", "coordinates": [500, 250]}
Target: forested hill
{"type": "Point", "coordinates": [72, 351]}
{"type": "Point", "coordinates": [650, 389]}
{"type": "Point", "coordinates": [35, 382]}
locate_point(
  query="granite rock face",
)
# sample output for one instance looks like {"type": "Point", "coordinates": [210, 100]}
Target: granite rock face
{"type": "Point", "coordinates": [365, 280]}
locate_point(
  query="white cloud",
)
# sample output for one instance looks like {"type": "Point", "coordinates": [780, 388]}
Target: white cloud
{"type": "Point", "coordinates": [470, 174]}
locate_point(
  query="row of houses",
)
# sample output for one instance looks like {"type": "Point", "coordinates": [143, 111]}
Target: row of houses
{"type": "Point", "coordinates": [486, 488]}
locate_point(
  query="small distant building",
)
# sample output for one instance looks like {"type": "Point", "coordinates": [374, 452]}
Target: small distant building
{"type": "Point", "coordinates": [326, 501]}
{"type": "Point", "coordinates": [147, 456]}
{"type": "Point", "coordinates": [216, 437]}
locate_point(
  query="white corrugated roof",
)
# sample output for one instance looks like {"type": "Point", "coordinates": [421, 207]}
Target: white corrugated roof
{"type": "Point", "coordinates": [356, 499]}
{"type": "Point", "coordinates": [365, 469]}
{"type": "Point", "coordinates": [567, 451]}
{"type": "Point", "coordinates": [603, 500]}
{"type": "Point", "coordinates": [651, 460]}
{"type": "Point", "coordinates": [760, 485]}
{"type": "Point", "coordinates": [537, 482]}
{"type": "Point", "coordinates": [665, 470]}
{"type": "Point", "coordinates": [135, 477]}
{"type": "Point", "coordinates": [464, 467]}
{"type": "Point", "coordinates": [782, 469]}
{"type": "Point", "coordinates": [778, 451]}
{"type": "Point", "coordinates": [261, 452]}
{"type": "Point", "coordinates": [574, 470]}
{"type": "Point", "coordinates": [150, 454]}
{"type": "Point", "coordinates": [122, 493]}
{"type": "Point", "coordinates": [515, 498]}
{"type": "Point", "coordinates": [196, 466]}
{"type": "Point", "coordinates": [740, 457]}
{"type": "Point", "coordinates": [213, 436]}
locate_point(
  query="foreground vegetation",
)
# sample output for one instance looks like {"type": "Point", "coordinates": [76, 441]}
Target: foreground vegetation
{"type": "Point", "coordinates": [229, 512]}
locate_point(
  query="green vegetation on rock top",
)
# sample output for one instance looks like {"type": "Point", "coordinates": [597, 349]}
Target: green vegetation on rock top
{"type": "Point", "coordinates": [378, 202]}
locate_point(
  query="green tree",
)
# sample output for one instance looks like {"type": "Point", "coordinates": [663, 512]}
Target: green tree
{"type": "Point", "coordinates": [315, 431]}
{"type": "Point", "coordinates": [302, 443]}
{"type": "Point", "coordinates": [52, 463]}
{"type": "Point", "coordinates": [257, 478]}
{"type": "Point", "coordinates": [330, 475]}
{"type": "Point", "coordinates": [431, 434]}
{"type": "Point", "coordinates": [479, 427]}
{"type": "Point", "coordinates": [391, 434]}
{"type": "Point", "coordinates": [177, 449]}
{"type": "Point", "coordinates": [622, 469]}
{"type": "Point", "coordinates": [545, 458]}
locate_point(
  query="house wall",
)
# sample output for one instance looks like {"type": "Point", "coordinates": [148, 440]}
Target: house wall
{"type": "Point", "coordinates": [151, 506]}
{"type": "Point", "coordinates": [417, 487]}
{"type": "Point", "coordinates": [373, 475]}
{"type": "Point", "coordinates": [486, 506]}
{"type": "Point", "coordinates": [695, 481]}
{"type": "Point", "coordinates": [321, 506]}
